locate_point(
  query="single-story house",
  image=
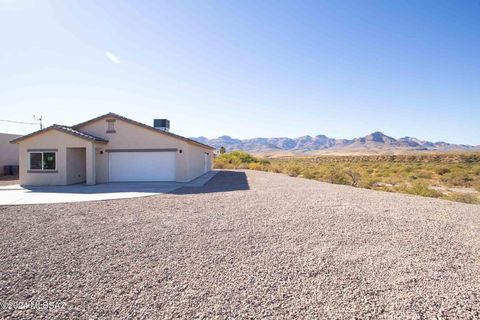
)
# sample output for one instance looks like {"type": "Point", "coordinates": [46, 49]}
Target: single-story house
{"type": "Point", "coordinates": [110, 148]}
{"type": "Point", "coordinates": [8, 153]}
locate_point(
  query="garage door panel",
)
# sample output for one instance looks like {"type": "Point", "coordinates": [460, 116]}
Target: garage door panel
{"type": "Point", "coordinates": [141, 166]}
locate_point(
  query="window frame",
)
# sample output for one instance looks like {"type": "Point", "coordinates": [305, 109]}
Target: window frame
{"type": "Point", "coordinates": [29, 153]}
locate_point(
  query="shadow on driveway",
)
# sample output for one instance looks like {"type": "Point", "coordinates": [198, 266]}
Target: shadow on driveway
{"type": "Point", "coordinates": [223, 181]}
{"type": "Point", "coordinates": [213, 181]}
{"type": "Point", "coordinates": [112, 187]}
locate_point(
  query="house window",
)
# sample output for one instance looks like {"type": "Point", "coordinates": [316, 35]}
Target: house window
{"type": "Point", "coordinates": [36, 161]}
{"type": "Point", "coordinates": [42, 160]}
{"type": "Point", "coordinates": [110, 125]}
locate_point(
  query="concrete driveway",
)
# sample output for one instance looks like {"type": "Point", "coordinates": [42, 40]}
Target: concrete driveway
{"type": "Point", "coordinates": [16, 194]}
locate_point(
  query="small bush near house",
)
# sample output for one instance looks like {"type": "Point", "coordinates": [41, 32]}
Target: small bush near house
{"type": "Point", "coordinates": [236, 160]}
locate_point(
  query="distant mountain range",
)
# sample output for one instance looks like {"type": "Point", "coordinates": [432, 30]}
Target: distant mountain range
{"type": "Point", "coordinates": [375, 142]}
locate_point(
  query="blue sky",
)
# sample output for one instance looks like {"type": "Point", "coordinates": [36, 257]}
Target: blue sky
{"type": "Point", "coordinates": [247, 69]}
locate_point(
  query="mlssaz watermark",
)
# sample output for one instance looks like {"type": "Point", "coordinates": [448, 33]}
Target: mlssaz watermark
{"type": "Point", "coordinates": [32, 305]}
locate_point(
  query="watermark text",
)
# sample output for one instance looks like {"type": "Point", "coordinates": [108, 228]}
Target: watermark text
{"type": "Point", "coordinates": [32, 305]}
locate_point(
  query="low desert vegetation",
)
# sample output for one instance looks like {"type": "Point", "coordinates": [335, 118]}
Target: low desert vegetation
{"type": "Point", "coordinates": [450, 176]}
{"type": "Point", "coordinates": [238, 160]}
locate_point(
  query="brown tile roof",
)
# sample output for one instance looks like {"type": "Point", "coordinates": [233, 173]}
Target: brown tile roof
{"type": "Point", "coordinates": [64, 129]}
{"type": "Point", "coordinates": [116, 116]}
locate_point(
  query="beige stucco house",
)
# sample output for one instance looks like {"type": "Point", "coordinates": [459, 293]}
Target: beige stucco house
{"type": "Point", "coordinates": [8, 151]}
{"type": "Point", "coordinates": [110, 148]}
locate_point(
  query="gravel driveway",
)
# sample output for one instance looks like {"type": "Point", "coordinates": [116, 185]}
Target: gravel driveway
{"type": "Point", "coordinates": [247, 245]}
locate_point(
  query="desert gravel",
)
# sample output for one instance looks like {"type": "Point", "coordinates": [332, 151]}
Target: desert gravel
{"type": "Point", "coordinates": [247, 245]}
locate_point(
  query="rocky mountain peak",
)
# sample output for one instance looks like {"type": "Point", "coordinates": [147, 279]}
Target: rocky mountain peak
{"type": "Point", "coordinates": [375, 141]}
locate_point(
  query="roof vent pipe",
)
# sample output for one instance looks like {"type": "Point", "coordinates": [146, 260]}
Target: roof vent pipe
{"type": "Point", "coordinates": [161, 124]}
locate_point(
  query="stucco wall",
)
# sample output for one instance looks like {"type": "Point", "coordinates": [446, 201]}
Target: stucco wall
{"type": "Point", "coordinates": [48, 140]}
{"type": "Point", "coordinates": [76, 165]}
{"type": "Point", "coordinates": [129, 136]}
{"type": "Point", "coordinates": [101, 164]}
{"type": "Point", "coordinates": [8, 151]}
{"type": "Point", "coordinates": [196, 157]}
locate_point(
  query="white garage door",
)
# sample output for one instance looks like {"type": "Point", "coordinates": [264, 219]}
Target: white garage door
{"type": "Point", "coordinates": [141, 166]}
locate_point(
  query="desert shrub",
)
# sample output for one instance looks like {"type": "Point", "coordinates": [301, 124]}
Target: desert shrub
{"type": "Point", "coordinates": [370, 182]}
{"type": "Point", "coordinates": [422, 189]}
{"type": "Point", "coordinates": [354, 177]}
{"type": "Point", "coordinates": [257, 166]}
{"type": "Point", "coordinates": [242, 165]}
{"type": "Point", "coordinates": [457, 179]}
{"type": "Point", "coordinates": [476, 185]}
{"type": "Point", "coordinates": [293, 170]}
{"type": "Point", "coordinates": [240, 156]}
{"type": "Point", "coordinates": [337, 176]}
{"type": "Point", "coordinates": [463, 197]}
{"type": "Point", "coordinates": [224, 163]}
{"type": "Point", "coordinates": [469, 158]}
{"type": "Point", "coordinates": [235, 160]}
{"type": "Point", "coordinates": [219, 165]}
{"type": "Point", "coordinates": [442, 170]}
{"type": "Point", "coordinates": [308, 173]}
{"type": "Point", "coordinates": [322, 173]}
{"type": "Point", "coordinates": [275, 167]}
{"type": "Point", "coordinates": [423, 174]}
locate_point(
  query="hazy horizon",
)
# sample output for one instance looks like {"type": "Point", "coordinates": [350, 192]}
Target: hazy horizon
{"type": "Point", "coordinates": [247, 69]}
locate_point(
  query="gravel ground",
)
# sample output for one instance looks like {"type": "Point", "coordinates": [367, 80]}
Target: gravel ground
{"type": "Point", "coordinates": [246, 245]}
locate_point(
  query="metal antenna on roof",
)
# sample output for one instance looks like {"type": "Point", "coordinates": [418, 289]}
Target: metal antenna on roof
{"type": "Point", "coordinates": [39, 119]}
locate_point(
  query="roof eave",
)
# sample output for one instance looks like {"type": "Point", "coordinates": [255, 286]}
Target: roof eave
{"type": "Point", "coordinates": [19, 139]}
